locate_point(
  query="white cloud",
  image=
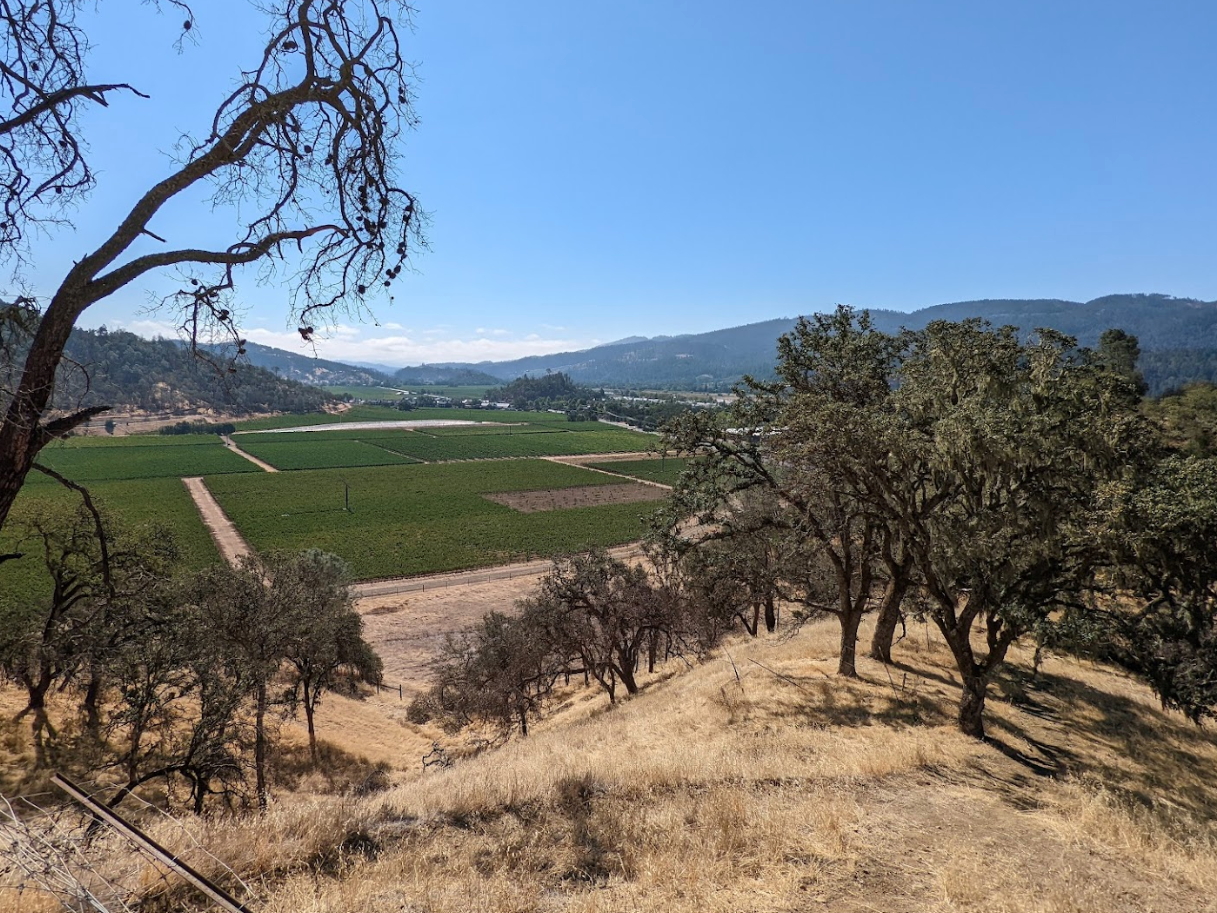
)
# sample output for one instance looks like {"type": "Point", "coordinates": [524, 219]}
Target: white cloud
{"type": "Point", "coordinates": [429, 346]}
{"type": "Point", "coordinates": [392, 344]}
{"type": "Point", "coordinates": [148, 328]}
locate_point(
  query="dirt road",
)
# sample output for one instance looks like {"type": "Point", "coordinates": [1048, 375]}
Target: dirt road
{"type": "Point", "coordinates": [583, 462]}
{"type": "Point", "coordinates": [530, 569]}
{"type": "Point", "coordinates": [232, 547]}
{"type": "Point", "coordinates": [261, 464]}
{"type": "Point", "coordinates": [407, 620]}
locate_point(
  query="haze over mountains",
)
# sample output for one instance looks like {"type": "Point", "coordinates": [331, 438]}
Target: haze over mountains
{"type": "Point", "coordinates": [1178, 340]}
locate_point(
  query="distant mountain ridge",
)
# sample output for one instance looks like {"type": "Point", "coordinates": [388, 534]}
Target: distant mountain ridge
{"type": "Point", "coordinates": [1163, 324]}
{"type": "Point", "coordinates": [1178, 340]}
{"type": "Point", "coordinates": [321, 372]}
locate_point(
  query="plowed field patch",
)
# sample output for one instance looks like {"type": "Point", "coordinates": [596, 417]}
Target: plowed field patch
{"type": "Point", "coordinates": [530, 502]}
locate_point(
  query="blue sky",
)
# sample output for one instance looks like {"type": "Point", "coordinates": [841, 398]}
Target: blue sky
{"type": "Point", "coordinates": [596, 170]}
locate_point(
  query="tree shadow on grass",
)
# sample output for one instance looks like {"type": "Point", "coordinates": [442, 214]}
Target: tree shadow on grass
{"type": "Point", "coordinates": [1151, 755]}
{"type": "Point", "coordinates": [830, 701]}
{"type": "Point", "coordinates": [333, 771]}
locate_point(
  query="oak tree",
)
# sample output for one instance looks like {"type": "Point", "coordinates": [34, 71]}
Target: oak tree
{"type": "Point", "coordinates": [305, 148]}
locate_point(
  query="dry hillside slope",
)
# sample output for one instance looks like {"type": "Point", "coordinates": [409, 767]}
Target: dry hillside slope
{"type": "Point", "coordinates": [757, 781]}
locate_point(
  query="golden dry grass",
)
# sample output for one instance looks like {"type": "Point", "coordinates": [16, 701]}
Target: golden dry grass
{"type": "Point", "coordinates": [759, 781]}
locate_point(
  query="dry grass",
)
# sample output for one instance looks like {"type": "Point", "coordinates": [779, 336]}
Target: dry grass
{"type": "Point", "coordinates": [758, 781]}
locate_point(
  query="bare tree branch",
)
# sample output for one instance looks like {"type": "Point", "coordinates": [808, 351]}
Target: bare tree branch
{"type": "Point", "coordinates": [305, 148]}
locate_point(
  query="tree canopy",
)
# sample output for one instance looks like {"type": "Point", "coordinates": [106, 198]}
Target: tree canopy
{"type": "Point", "coordinates": [961, 462]}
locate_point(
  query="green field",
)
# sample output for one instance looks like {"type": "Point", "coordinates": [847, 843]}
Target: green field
{"type": "Point", "coordinates": [665, 471]}
{"type": "Point", "coordinates": [135, 503]}
{"type": "Point", "coordinates": [319, 452]}
{"type": "Point", "coordinates": [96, 441]}
{"type": "Point", "coordinates": [421, 519]}
{"type": "Point", "coordinates": [488, 415]}
{"type": "Point", "coordinates": [475, 443]}
{"type": "Point", "coordinates": [145, 457]}
{"type": "Point", "coordinates": [490, 428]}
{"type": "Point", "coordinates": [405, 519]}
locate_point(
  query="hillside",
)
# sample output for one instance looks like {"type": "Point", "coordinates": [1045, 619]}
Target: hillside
{"type": "Point", "coordinates": [426, 375]}
{"type": "Point", "coordinates": [307, 369]}
{"type": "Point", "coordinates": [754, 781]}
{"type": "Point", "coordinates": [126, 371]}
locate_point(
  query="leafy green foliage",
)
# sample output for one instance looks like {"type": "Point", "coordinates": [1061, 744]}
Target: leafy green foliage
{"type": "Point", "coordinates": [127, 371]}
{"type": "Point", "coordinates": [90, 575]}
{"type": "Point", "coordinates": [1162, 529]}
{"type": "Point", "coordinates": [1188, 418]}
{"type": "Point", "coordinates": [1120, 353]}
{"type": "Point", "coordinates": [1169, 370]}
{"type": "Point", "coordinates": [546, 391]}
{"type": "Point", "coordinates": [965, 460]}
{"type": "Point", "coordinates": [195, 676]}
{"type": "Point", "coordinates": [591, 615]}
{"type": "Point", "coordinates": [135, 505]}
{"type": "Point", "coordinates": [197, 427]}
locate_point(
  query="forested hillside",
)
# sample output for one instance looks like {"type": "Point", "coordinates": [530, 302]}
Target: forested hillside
{"type": "Point", "coordinates": [121, 369]}
{"type": "Point", "coordinates": [549, 391]}
{"type": "Point", "coordinates": [308, 369]}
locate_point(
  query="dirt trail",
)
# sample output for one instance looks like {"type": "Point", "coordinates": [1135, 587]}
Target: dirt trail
{"type": "Point", "coordinates": [231, 445]}
{"type": "Point", "coordinates": [397, 585]}
{"type": "Point", "coordinates": [583, 462]}
{"type": "Point", "coordinates": [232, 547]}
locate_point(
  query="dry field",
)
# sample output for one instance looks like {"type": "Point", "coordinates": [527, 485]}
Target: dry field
{"type": "Point", "coordinates": [529, 502]}
{"type": "Point", "coordinates": [754, 781]}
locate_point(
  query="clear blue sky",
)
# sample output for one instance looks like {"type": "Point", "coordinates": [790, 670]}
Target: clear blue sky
{"type": "Point", "coordinates": [596, 170]}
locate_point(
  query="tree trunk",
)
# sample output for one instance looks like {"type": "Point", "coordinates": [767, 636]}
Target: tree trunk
{"type": "Point", "coordinates": [889, 617]}
{"type": "Point", "coordinates": [523, 722]}
{"type": "Point", "coordinates": [627, 678]}
{"type": "Point", "coordinates": [847, 665]}
{"type": "Point", "coordinates": [771, 614]}
{"type": "Point", "coordinates": [92, 712]}
{"type": "Point", "coordinates": [309, 711]}
{"type": "Point", "coordinates": [260, 748]}
{"type": "Point", "coordinates": [972, 705]}
{"type": "Point", "coordinates": [40, 723]}
{"type": "Point", "coordinates": [21, 432]}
